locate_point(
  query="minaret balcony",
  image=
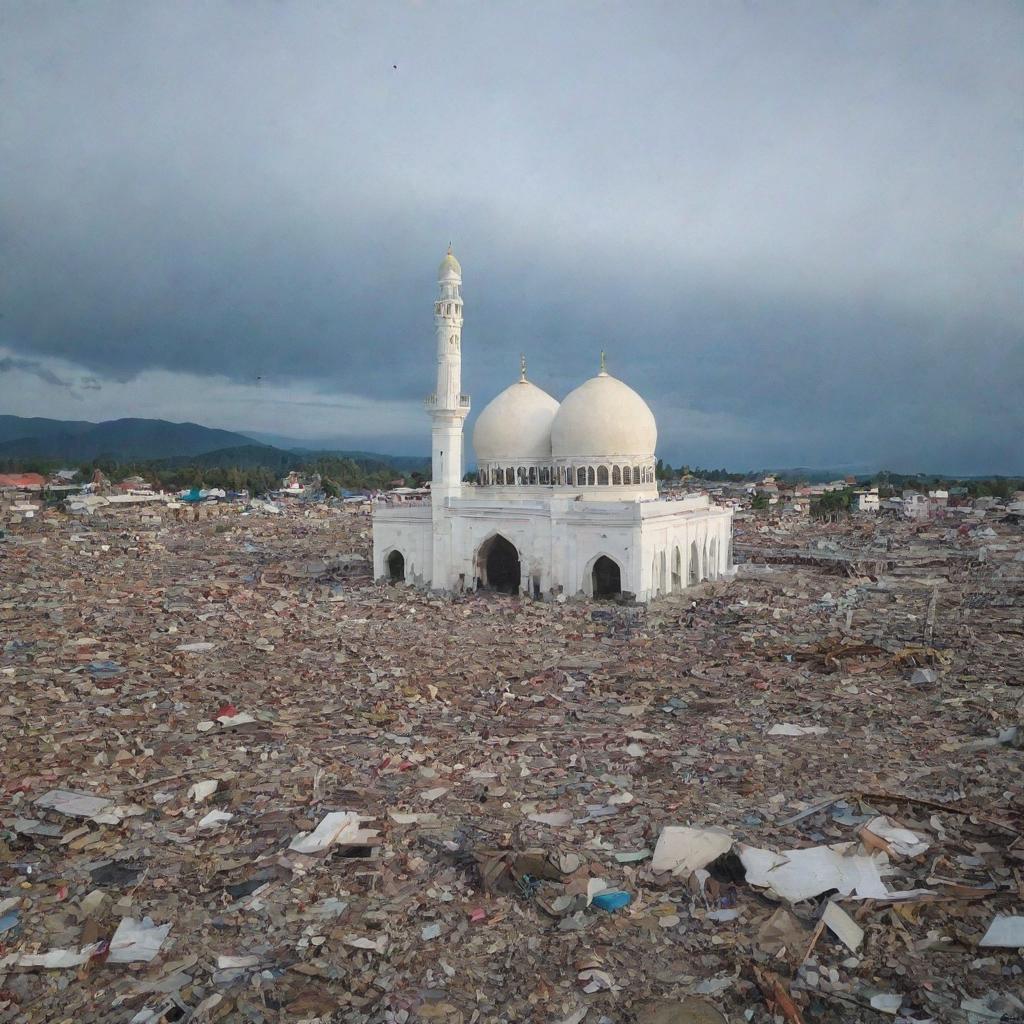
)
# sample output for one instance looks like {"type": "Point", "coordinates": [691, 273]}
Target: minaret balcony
{"type": "Point", "coordinates": [443, 402]}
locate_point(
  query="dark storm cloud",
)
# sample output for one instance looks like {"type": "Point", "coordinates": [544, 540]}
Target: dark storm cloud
{"type": "Point", "coordinates": [8, 364]}
{"type": "Point", "coordinates": [793, 227]}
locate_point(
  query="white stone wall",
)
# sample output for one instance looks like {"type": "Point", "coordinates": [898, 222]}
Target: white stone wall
{"type": "Point", "coordinates": [408, 529]}
{"type": "Point", "coordinates": [680, 550]}
{"type": "Point", "coordinates": [659, 547]}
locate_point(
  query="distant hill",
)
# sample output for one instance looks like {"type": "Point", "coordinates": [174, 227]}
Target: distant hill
{"type": "Point", "coordinates": [369, 460]}
{"type": "Point", "coordinates": [278, 460]}
{"type": "Point", "coordinates": [173, 445]}
{"type": "Point", "coordinates": [14, 428]}
{"type": "Point", "coordinates": [334, 449]}
{"type": "Point", "coordinates": [244, 456]}
{"type": "Point", "coordinates": [125, 439]}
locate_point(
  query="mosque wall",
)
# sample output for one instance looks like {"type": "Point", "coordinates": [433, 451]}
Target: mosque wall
{"type": "Point", "coordinates": [408, 530]}
{"type": "Point", "coordinates": [658, 548]}
{"type": "Point", "coordinates": [680, 551]}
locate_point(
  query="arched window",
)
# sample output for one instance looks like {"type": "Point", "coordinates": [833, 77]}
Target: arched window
{"type": "Point", "coordinates": [591, 476]}
{"type": "Point", "coordinates": [396, 567]}
{"type": "Point", "coordinates": [581, 476]}
{"type": "Point", "coordinates": [602, 475]}
{"type": "Point", "coordinates": [521, 475]}
{"type": "Point", "coordinates": [606, 578]}
{"type": "Point", "coordinates": [497, 565]}
{"type": "Point", "coordinates": [510, 476]}
{"type": "Point", "coordinates": [616, 475]}
{"type": "Point", "coordinates": [533, 474]}
{"type": "Point", "coordinates": [627, 475]}
{"type": "Point", "coordinates": [545, 476]}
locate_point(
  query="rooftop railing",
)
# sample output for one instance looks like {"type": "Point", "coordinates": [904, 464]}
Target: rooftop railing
{"type": "Point", "coordinates": [433, 402]}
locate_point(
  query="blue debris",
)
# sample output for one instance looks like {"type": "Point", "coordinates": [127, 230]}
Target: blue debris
{"type": "Point", "coordinates": [612, 899]}
{"type": "Point", "coordinates": [104, 669]}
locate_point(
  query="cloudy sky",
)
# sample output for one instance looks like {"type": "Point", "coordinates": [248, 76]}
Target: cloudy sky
{"type": "Point", "coordinates": [794, 227]}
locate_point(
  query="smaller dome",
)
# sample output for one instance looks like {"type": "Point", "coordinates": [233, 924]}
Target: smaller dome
{"type": "Point", "coordinates": [516, 425]}
{"type": "Point", "coordinates": [450, 270]}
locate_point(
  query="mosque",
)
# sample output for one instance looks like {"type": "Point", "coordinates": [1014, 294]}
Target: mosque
{"type": "Point", "coordinates": [566, 500]}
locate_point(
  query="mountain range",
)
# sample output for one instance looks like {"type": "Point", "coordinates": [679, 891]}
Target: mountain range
{"type": "Point", "coordinates": [128, 440]}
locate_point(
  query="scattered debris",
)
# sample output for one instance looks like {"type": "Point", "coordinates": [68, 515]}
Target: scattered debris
{"type": "Point", "coordinates": [242, 783]}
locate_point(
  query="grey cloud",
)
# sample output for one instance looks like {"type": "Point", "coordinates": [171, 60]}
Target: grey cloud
{"type": "Point", "coordinates": [802, 220]}
{"type": "Point", "coordinates": [9, 364]}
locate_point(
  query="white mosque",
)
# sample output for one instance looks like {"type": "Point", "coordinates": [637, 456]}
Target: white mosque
{"type": "Point", "coordinates": [566, 503]}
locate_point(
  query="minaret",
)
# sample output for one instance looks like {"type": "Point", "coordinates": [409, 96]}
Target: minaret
{"type": "Point", "coordinates": [448, 408]}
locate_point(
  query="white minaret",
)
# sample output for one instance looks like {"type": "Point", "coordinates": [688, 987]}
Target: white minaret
{"type": "Point", "coordinates": [448, 408]}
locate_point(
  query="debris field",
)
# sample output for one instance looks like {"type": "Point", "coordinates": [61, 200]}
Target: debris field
{"type": "Point", "coordinates": [244, 782]}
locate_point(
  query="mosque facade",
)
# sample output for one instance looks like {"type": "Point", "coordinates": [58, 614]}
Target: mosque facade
{"type": "Point", "coordinates": [566, 500]}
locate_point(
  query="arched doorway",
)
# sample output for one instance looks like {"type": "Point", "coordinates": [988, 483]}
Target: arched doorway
{"type": "Point", "coordinates": [677, 571]}
{"type": "Point", "coordinates": [607, 578]}
{"type": "Point", "coordinates": [396, 567]}
{"type": "Point", "coordinates": [693, 576]}
{"type": "Point", "coordinates": [498, 565]}
{"type": "Point", "coordinates": [713, 559]}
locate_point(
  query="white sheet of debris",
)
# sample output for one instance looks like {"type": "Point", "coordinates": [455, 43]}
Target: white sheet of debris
{"type": "Point", "coordinates": [682, 850]}
{"type": "Point", "coordinates": [802, 874]}
{"type": "Point", "coordinates": [136, 941]}
{"type": "Point", "coordinates": [337, 828]}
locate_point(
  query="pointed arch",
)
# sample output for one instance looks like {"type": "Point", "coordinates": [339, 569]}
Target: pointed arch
{"type": "Point", "coordinates": [591, 476]}
{"type": "Point", "coordinates": [606, 578]}
{"type": "Point", "coordinates": [713, 559]}
{"type": "Point", "coordinates": [616, 475]}
{"type": "Point", "coordinates": [693, 573]}
{"type": "Point", "coordinates": [498, 565]}
{"type": "Point", "coordinates": [394, 563]}
{"type": "Point", "coordinates": [602, 476]}
{"type": "Point", "coordinates": [677, 570]}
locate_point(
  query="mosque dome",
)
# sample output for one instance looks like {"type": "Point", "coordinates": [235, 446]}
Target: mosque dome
{"type": "Point", "coordinates": [450, 268]}
{"type": "Point", "coordinates": [516, 425]}
{"type": "Point", "coordinates": [603, 419]}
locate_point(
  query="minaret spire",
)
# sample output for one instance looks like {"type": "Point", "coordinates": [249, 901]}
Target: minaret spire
{"type": "Point", "coordinates": [604, 369]}
{"type": "Point", "coordinates": [448, 408]}
{"type": "Point", "coordinates": [522, 367]}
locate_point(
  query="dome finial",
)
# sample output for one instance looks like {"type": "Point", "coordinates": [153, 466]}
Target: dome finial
{"type": "Point", "coordinates": [604, 369]}
{"type": "Point", "coordinates": [449, 248]}
{"type": "Point", "coordinates": [522, 366]}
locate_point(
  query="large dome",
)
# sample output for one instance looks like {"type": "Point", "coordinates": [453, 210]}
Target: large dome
{"type": "Point", "coordinates": [603, 418]}
{"type": "Point", "coordinates": [516, 425]}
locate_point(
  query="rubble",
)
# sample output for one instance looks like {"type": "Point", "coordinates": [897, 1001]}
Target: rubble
{"type": "Point", "coordinates": [244, 782]}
